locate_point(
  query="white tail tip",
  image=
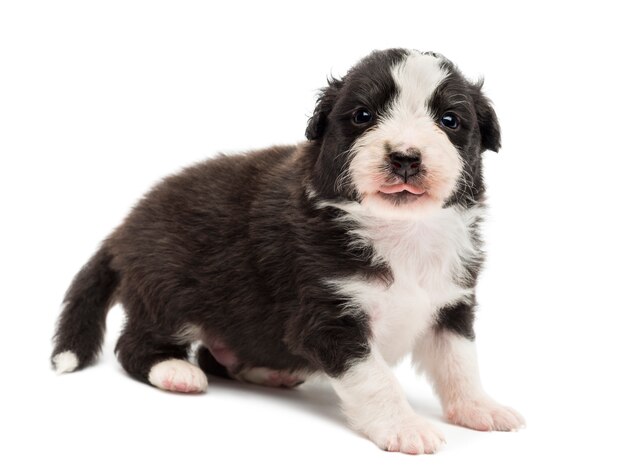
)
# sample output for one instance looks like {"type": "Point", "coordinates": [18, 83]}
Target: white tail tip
{"type": "Point", "coordinates": [65, 362]}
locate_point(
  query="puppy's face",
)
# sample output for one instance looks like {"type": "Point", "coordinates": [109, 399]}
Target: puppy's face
{"type": "Point", "coordinates": [401, 135]}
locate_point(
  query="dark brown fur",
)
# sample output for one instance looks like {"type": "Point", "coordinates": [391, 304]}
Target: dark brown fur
{"type": "Point", "coordinates": [239, 247]}
{"type": "Point", "coordinates": [227, 248]}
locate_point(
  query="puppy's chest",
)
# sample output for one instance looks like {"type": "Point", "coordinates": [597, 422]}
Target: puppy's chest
{"type": "Point", "coordinates": [427, 261]}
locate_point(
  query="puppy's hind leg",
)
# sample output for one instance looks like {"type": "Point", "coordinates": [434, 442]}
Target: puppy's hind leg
{"type": "Point", "coordinates": [159, 359]}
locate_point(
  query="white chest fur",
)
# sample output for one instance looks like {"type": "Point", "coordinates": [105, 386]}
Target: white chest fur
{"type": "Point", "coordinates": [426, 259]}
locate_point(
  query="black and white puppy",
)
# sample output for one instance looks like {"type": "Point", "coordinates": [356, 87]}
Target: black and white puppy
{"type": "Point", "coordinates": [338, 256]}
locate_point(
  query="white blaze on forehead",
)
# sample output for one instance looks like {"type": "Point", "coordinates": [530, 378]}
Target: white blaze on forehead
{"type": "Point", "coordinates": [417, 77]}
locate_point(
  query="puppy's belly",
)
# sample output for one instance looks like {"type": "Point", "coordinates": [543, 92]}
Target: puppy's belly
{"type": "Point", "coordinates": [227, 357]}
{"type": "Point", "coordinates": [223, 354]}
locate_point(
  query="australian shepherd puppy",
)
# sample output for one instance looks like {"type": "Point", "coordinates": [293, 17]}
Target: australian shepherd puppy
{"type": "Point", "coordinates": [339, 256]}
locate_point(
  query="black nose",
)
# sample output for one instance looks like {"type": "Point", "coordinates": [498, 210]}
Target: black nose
{"type": "Point", "coordinates": [406, 164]}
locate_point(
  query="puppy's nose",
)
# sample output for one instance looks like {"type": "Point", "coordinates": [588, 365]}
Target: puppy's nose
{"type": "Point", "coordinates": [406, 164]}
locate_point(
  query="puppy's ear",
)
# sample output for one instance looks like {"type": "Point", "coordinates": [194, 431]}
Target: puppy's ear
{"type": "Point", "coordinates": [325, 102]}
{"type": "Point", "coordinates": [487, 120]}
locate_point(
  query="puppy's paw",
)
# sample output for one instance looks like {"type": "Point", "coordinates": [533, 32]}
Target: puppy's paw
{"type": "Point", "coordinates": [412, 435]}
{"type": "Point", "coordinates": [484, 415]}
{"type": "Point", "coordinates": [178, 376]}
{"type": "Point", "coordinates": [270, 378]}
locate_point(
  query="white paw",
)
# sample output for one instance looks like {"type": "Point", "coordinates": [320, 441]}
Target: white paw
{"type": "Point", "coordinates": [270, 378]}
{"type": "Point", "coordinates": [178, 376]}
{"type": "Point", "coordinates": [412, 435]}
{"type": "Point", "coordinates": [484, 415]}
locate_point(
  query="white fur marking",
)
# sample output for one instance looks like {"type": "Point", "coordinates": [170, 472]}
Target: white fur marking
{"type": "Point", "coordinates": [375, 405]}
{"type": "Point", "coordinates": [450, 362]}
{"type": "Point", "coordinates": [426, 258]}
{"type": "Point", "coordinates": [189, 333]}
{"type": "Point", "coordinates": [65, 362]}
{"type": "Point", "coordinates": [417, 77]}
{"type": "Point", "coordinates": [178, 376]}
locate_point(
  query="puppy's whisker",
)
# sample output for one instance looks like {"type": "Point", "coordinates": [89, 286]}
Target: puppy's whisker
{"type": "Point", "coordinates": [466, 180]}
{"type": "Point", "coordinates": [343, 178]}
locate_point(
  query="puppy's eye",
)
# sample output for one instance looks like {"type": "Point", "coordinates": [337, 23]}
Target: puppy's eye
{"type": "Point", "coordinates": [362, 116]}
{"type": "Point", "coordinates": [450, 120]}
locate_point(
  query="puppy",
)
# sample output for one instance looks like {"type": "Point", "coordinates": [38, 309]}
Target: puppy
{"type": "Point", "coordinates": [337, 256]}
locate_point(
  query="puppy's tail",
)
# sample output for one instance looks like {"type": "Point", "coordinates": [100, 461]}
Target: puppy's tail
{"type": "Point", "coordinates": [80, 328]}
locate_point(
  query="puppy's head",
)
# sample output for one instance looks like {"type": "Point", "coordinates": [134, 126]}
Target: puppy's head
{"type": "Point", "coordinates": [401, 135]}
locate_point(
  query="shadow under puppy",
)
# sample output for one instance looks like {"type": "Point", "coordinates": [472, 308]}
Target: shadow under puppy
{"type": "Point", "coordinates": [338, 256]}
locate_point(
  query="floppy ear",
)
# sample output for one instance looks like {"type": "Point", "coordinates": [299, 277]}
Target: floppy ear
{"type": "Point", "coordinates": [487, 120]}
{"type": "Point", "coordinates": [325, 103]}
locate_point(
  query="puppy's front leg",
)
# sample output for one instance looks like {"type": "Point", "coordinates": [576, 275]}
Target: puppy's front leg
{"type": "Point", "coordinates": [449, 360]}
{"type": "Point", "coordinates": [375, 405]}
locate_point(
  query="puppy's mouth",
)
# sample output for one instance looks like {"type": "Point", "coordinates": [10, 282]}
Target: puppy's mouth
{"type": "Point", "coordinates": [406, 189]}
{"type": "Point", "coordinates": [401, 194]}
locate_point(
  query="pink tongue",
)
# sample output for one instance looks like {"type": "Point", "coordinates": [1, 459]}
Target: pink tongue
{"type": "Point", "coordinates": [398, 188]}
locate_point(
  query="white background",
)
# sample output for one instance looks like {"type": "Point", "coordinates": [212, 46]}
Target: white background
{"type": "Point", "coordinates": [98, 100]}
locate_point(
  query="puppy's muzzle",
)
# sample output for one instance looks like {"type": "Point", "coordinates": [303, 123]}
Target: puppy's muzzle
{"type": "Point", "coordinates": [406, 164]}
